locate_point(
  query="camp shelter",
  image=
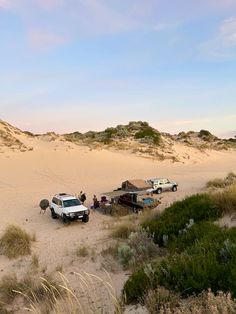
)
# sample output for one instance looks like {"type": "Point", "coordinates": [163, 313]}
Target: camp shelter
{"type": "Point", "coordinates": [135, 185]}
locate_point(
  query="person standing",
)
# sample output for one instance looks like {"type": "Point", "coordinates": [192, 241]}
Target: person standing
{"type": "Point", "coordinates": [95, 202]}
{"type": "Point", "coordinates": [83, 197]}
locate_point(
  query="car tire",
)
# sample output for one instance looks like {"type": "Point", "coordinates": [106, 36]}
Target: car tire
{"type": "Point", "coordinates": [53, 214]}
{"type": "Point", "coordinates": [85, 218]}
{"type": "Point", "coordinates": [65, 219]}
{"type": "Point", "coordinates": [174, 188]}
{"type": "Point", "coordinates": [159, 191]}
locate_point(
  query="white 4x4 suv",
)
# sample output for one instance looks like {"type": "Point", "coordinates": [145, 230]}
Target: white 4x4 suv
{"type": "Point", "coordinates": [161, 184]}
{"type": "Point", "coordinates": [69, 208]}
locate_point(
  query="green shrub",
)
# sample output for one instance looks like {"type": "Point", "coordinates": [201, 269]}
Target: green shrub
{"type": "Point", "coordinates": [193, 235]}
{"type": "Point", "coordinates": [210, 262]}
{"type": "Point", "coordinates": [148, 132]}
{"type": "Point", "coordinates": [15, 242]}
{"type": "Point", "coordinates": [198, 207]}
{"type": "Point", "coordinates": [136, 287]}
{"type": "Point", "coordinates": [205, 134]}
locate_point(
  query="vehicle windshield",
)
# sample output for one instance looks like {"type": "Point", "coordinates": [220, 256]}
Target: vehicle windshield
{"type": "Point", "coordinates": [73, 202]}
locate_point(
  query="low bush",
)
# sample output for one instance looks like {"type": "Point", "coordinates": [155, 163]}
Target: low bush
{"type": "Point", "coordinates": [139, 249]}
{"type": "Point", "coordinates": [15, 242]}
{"type": "Point", "coordinates": [205, 303]}
{"type": "Point", "coordinates": [206, 135]}
{"type": "Point", "coordinates": [208, 263]}
{"type": "Point", "coordinates": [160, 300]}
{"type": "Point", "coordinates": [148, 132]}
{"type": "Point", "coordinates": [174, 219]}
{"type": "Point", "coordinates": [136, 287]}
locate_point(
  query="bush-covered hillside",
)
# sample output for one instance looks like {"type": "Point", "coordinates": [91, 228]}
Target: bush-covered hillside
{"type": "Point", "coordinates": [200, 254]}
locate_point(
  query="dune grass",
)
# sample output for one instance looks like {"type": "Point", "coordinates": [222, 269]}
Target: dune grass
{"type": "Point", "coordinates": [55, 295]}
{"type": "Point", "coordinates": [123, 231]}
{"type": "Point", "coordinates": [165, 302]}
{"type": "Point", "coordinates": [15, 242]}
{"type": "Point", "coordinates": [222, 183]}
{"type": "Point", "coordinates": [82, 251]}
{"type": "Point", "coordinates": [226, 199]}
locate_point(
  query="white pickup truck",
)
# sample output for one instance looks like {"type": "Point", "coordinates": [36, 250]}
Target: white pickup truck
{"type": "Point", "coordinates": [68, 208]}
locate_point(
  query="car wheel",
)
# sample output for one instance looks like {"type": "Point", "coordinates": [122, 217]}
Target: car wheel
{"type": "Point", "coordinates": [65, 219]}
{"type": "Point", "coordinates": [53, 215]}
{"type": "Point", "coordinates": [174, 189]}
{"type": "Point", "coordinates": [85, 218]}
{"type": "Point", "coordinates": [159, 191]}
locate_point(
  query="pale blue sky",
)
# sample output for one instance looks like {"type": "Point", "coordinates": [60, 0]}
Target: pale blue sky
{"type": "Point", "coordinates": [70, 65]}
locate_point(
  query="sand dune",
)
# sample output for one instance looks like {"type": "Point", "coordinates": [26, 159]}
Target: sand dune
{"type": "Point", "coordinates": [56, 166]}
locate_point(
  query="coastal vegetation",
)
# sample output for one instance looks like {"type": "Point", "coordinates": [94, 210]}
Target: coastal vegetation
{"type": "Point", "coordinates": [198, 253]}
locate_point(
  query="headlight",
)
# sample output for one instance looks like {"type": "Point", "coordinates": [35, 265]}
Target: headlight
{"type": "Point", "coordinates": [86, 212]}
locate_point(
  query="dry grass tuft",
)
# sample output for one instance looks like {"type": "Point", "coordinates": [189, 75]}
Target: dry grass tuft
{"type": "Point", "coordinates": [34, 262]}
{"type": "Point", "coordinates": [31, 287]}
{"type": "Point", "coordinates": [93, 295]}
{"type": "Point", "coordinates": [123, 231]}
{"type": "Point", "coordinates": [15, 242]}
{"type": "Point", "coordinates": [226, 199]}
{"type": "Point", "coordinates": [82, 251]}
{"type": "Point", "coordinates": [8, 284]}
{"type": "Point", "coordinates": [205, 303]}
{"type": "Point", "coordinates": [230, 179]}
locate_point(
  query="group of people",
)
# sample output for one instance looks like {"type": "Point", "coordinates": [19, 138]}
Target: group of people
{"type": "Point", "coordinates": [96, 203]}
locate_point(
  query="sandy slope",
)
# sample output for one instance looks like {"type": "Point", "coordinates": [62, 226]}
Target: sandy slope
{"type": "Point", "coordinates": [52, 167]}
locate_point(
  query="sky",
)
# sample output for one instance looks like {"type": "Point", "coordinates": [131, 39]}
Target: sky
{"type": "Point", "coordinates": [68, 65]}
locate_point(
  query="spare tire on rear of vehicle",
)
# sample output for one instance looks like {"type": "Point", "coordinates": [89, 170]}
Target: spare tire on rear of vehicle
{"type": "Point", "coordinates": [44, 204]}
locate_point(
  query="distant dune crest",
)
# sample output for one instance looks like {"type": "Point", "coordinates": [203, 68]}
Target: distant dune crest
{"type": "Point", "coordinates": [137, 138]}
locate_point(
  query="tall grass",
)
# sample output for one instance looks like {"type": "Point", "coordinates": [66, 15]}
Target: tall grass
{"type": "Point", "coordinates": [50, 294]}
{"type": "Point", "coordinates": [226, 199]}
{"type": "Point", "coordinates": [15, 242]}
{"type": "Point", "coordinates": [222, 183]}
{"type": "Point", "coordinates": [94, 295]}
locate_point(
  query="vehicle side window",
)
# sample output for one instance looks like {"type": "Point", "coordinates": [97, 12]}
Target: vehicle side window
{"type": "Point", "coordinates": [54, 200]}
{"type": "Point", "coordinates": [59, 203]}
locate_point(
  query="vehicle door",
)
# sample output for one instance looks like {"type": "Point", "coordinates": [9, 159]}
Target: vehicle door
{"type": "Point", "coordinates": [59, 207]}
{"type": "Point", "coordinates": [167, 184]}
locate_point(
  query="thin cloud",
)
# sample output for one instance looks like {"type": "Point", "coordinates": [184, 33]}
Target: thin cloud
{"type": "Point", "coordinates": [223, 45]}
{"type": "Point", "coordinates": [43, 39]}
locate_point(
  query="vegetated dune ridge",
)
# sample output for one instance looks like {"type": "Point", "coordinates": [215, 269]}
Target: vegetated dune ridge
{"type": "Point", "coordinates": [54, 166]}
